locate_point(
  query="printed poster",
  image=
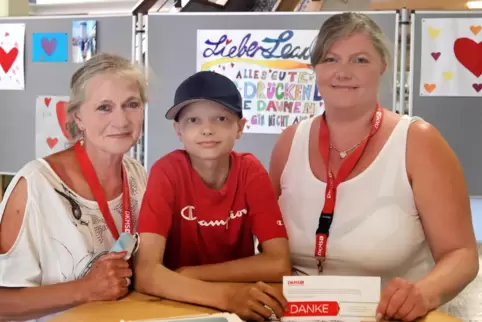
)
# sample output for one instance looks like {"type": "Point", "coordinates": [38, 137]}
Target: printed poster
{"type": "Point", "coordinates": [50, 47]}
{"type": "Point", "coordinates": [84, 40]}
{"type": "Point", "coordinates": [12, 48]}
{"type": "Point", "coordinates": [271, 70]}
{"type": "Point", "coordinates": [51, 134]}
{"type": "Point", "coordinates": [451, 62]}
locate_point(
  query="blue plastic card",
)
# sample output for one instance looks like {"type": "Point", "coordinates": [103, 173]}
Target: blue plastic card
{"type": "Point", "coordinates": [126, 242]}
{"type": "Point", "coordinates": [50, 47]}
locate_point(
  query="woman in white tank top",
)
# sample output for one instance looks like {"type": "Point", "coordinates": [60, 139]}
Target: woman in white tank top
{"type": "Point", "coordinates": [61, 215]}
{"type": "Point", "coordinates": [402, 211]}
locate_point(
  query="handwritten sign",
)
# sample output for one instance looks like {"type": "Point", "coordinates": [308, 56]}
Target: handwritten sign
{"type": "Point", "coordinates": [271, 70]}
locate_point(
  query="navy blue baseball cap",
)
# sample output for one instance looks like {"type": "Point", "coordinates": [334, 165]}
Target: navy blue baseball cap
{"type": "Point", "coordinates": [206, 85]}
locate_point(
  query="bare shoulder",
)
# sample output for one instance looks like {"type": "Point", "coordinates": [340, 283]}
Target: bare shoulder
{"type": "Point", "coordinates": [423, 136]}
{"type": "Point", "coordinates": [427, 150]}
{"type": "Point", "coordinates": [13, 215]}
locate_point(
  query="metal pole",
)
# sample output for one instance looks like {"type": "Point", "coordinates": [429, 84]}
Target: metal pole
{"type": "Point", "coordinates": [139, 36]}
{"type": "Point", "coordinates": [404, 22]}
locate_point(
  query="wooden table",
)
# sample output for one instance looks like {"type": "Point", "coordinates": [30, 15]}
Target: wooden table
{"type": "Point", "coordinates": [138, 306]}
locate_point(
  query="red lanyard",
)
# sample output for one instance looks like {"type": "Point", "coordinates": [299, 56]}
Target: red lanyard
{"type": "Point", "coordinates": [89, 173]}
{"type": "Point", "coordinates": [332, 182]}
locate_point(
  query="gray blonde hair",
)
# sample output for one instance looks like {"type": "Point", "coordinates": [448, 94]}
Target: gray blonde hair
{"type": "Point", "coordinates": [343, 25]}
{"type": "Point", "coordinates": [99, 64]}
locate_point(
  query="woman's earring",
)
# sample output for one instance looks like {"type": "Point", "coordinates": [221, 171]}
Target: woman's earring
{"type": "Point", "coordinates": [81, 139]}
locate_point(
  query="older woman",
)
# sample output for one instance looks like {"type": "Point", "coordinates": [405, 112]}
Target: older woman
{"type": "Point", "coordinates": [365, 191]}
{"type": "Point", "coordinates": [61, 215]}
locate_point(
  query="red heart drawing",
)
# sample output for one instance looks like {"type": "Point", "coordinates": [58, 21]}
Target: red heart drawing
{"type": "Point", "coordinates": [435, 55]}
{"type": "Point", "coordinates": [47, 101]}
{"type": "Point", "coordinates": [61, 110]}
{"type": "Point", "coordinates": [228, 41]}
{"type": "Point", "coordinates": [7, 34]}
{"type": "Point", "coordinates": [469, 54]}
{"type": "Point", "coordinates": [51, 142]}
{"type": "Point", "coordinates": [248, 126]}
{"type": "Point", "coordinates": [232, 64]}
{"type": "Point", "coordinates": [7, 59]}
{"type": "Point", "coordinates": [477, 87]}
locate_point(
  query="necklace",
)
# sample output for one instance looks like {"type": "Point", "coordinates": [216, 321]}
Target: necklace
{"type": "Point", "coordinates": [344, 154]}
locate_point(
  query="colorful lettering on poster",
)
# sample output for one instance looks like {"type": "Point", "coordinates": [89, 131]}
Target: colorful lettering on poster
{"type": "Point", "coordinates": [278, 99]}
{"type": "Point", "coordinates": [279, 47]}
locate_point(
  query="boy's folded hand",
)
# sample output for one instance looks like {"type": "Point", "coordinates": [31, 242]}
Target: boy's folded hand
{"type": "Point", "coordinates": [256, 301]}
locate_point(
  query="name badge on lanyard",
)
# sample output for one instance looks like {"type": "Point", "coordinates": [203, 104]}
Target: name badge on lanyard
{"type": "Point", "coordinates": [332, 181]}
{"type": "Point", "coordinates": [126, 241]}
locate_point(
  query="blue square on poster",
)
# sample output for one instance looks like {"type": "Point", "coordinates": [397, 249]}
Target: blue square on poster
{"type": "Point", "coordinates": [50, 47]}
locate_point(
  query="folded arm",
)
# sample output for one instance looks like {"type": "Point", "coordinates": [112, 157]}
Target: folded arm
{"type": "Point", "coordinates": [20, 304]}
{"type": "Point", "coordinates": [153, 278]}
{"type": "Point", "coordinates": [443, 203]}
{"type": "Point", "coordinates": [269, 266]}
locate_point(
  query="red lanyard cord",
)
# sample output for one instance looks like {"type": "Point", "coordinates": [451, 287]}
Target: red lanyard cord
{"type": "Point", "coordinates": [332, 182]}
{"type": "Point", "coordinates": [91, 177]}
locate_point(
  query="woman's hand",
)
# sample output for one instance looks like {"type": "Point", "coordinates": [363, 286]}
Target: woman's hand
{"type": "Point", "coordinates": [256, 301]}
{"type": "Point", "coordinates": [108, 279]}
{"type": "Point", "coordinates": [402, 300]}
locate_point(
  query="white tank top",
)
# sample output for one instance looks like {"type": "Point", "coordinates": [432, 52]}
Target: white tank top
{"type": "Point", "coordinates": [376, 230]}
{"type": "Point", "coordinates": [53, 245]}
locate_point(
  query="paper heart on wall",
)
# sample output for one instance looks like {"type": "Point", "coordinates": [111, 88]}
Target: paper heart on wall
{"type": "Point", "coordinates": [47, 101]}
{"type": "Point", "coordinates": [477, 87]}
{"type": "Point", "coordinates": [469, 54]}
{"type": "Point", "coordinates": [433, 32]}
{"type": "Point", "coordinates": [49, 45]}
{"type": "Point", "coordinates": [7, 59]}
{"type": "Point", "coordinates": [61, 110]}
{"type": "Point", "coordinates": [52, 142]}
{"type": "Point", "coordinates": [475, 29]}
{"type": "Point", "coordinates": [430, 87]}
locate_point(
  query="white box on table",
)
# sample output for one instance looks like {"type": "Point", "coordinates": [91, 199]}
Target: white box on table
{"type": "Point", "coordinates": [331, 298]}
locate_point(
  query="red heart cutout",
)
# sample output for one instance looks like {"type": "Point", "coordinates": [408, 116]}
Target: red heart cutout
{"type": "Point", "coordinates": [232, 64]}
{"type": "Point", "coordinates": [435, 55]}
{"type": "Point", "coordinates": [7, 34]}
{"type": "Point", "coordinates": [228, 41]}
{"type": "Point", "coordinates": [469, 54]}
{"type": "Point", "coordinates": [477, 87]}
{"type": "Point", "coordinates": [51, 142]}
{"type": "Point", "coordinates": [7, 59]}
{"type": "Point", "coordinates": [61, 110]}
{"type": "Point", "coordinates": [47, 101]}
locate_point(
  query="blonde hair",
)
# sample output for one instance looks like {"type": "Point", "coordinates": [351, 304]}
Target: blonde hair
{"type": "Point", "coordinates": [99, 64]}
{"type": "Point", "coordinates": [345, 24]}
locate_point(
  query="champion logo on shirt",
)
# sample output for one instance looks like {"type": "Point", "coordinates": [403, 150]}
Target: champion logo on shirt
{"type": "Point", "coordinates": [188, 214]}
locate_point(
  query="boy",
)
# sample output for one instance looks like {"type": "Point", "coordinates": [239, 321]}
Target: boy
{"type": "Point", "coordinates": [204, 204]}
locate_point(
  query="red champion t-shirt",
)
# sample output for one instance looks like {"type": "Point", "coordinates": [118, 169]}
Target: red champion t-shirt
{"type": "Point", "coordinates": [207, 226]}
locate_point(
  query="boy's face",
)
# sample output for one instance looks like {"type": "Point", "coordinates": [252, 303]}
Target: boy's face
{"type": "Point", "coordinates": [208, 129]}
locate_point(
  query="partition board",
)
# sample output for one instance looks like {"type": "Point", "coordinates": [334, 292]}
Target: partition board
{"type": "Point", "coordinates": [171, 57]}
{"type": "Point", "coordinates": [17, 107]}
{"type": "Point", "coordinates": [457, 118]}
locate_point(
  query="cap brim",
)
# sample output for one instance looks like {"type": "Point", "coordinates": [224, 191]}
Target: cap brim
{"type": "Point", "coordinates": [174, 110]}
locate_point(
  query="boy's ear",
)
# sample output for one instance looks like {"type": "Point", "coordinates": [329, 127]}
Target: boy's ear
{"type": "Point", "coordinates": [177, 128]}
{"type": "Point", "coordinates": [241, 125]}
